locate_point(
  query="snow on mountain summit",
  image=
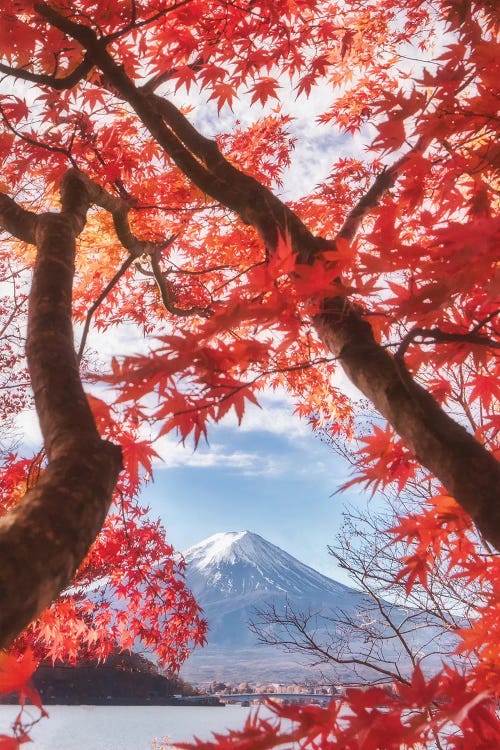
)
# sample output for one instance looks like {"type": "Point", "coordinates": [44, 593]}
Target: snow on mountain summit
{"type": "Point", "coordinates": [241, 562]}
{"type": "Point", "coordinates": [226, 546]}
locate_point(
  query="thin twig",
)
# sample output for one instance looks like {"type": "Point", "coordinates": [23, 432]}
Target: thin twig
{"type": "Point", "coordinates": [167, 296]}
{"type": "Point", "coordinates": [128, 262]}
{"type": "Point", "coordinates": [34, 142]}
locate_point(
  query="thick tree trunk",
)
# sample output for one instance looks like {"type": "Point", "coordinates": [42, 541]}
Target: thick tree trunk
{"type": "Point", "coordinates": [469, 472]}
{"type": "Point", "coordinates": [44, 539]}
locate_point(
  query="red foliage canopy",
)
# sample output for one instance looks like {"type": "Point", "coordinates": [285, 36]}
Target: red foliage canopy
{"type": "Point", "coordinates": [388, 268]}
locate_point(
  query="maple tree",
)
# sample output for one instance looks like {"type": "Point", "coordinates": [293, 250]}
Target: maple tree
{"type": "Point", "coordinates": [388, 269]}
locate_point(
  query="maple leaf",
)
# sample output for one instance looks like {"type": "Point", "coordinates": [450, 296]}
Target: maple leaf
{"type": "Point", "coordinates": [283, 259]}
{"type": "Point", "coordinates": [16, 109]}
{"type": "Point", "coordinates": [137, 453]}
{"type": "Point", "coordinates": [347, 41]}
{"type": "Point", "coordinates": [385, 461]}
{"type": "Point", "coordinates": [420, 693]}
{"type": "Point", "coordinates": [415, 569]}
{"type": "Point", "coordinates": [264, 89]}
{"type": "Point", "coordinates": [223, 93]}
{"type": "Point", "coordinates": [15, 671]}
{"type": "Point", "coordinates": [8, 743]}
{"type": "Point", "coordinates": [485, 389]}
{"type": "Point", "coordinates": [391, 135]}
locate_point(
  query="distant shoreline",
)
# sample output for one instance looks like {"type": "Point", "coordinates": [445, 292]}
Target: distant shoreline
{"type": "Point", "coordinates": [210, 701]}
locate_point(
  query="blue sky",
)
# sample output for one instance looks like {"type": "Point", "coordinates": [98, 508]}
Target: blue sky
{"type": "Point", "coordinates": [271, 475]}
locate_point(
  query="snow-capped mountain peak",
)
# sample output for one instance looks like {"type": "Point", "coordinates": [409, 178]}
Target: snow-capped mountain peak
{"type": "Point", "coordinates": [241, 562]}
{"type": "Point", "coordinates": [226, 546]}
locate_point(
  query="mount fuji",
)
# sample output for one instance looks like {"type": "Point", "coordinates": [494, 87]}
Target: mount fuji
{"type": "Point", "coordinates": [241, 564]}
{"type": "Point", "coordinates": [235, 574]}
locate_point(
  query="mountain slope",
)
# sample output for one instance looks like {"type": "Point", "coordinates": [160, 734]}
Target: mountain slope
{"type": "Point", "coordinates": [238, 563]}
{"type": "Point", "coordinates": [234, 574]}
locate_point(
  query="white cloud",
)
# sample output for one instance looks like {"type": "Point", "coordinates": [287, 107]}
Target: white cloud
{"type": "Point", "coordinates": [174, 454]}
{"type": "Point", "coordinates": [275, 417]}
{"type": "Point", "coordinates": [317, 144]}
{"type": "Point", "coordinates": [220, 457]}
{"type": "Point", "coordinates": [27, 426]}
{"type": "Point", "coordinates": [121, 340]}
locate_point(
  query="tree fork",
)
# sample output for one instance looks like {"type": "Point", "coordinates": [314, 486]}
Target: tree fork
{"type": "Point", "coordinates": [46, 536]}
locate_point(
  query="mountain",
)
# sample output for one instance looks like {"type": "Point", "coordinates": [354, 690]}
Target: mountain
{"type": "Point", "coordinates": [235, 574]}
{"type": "Point", "coordinates": [235, 564]}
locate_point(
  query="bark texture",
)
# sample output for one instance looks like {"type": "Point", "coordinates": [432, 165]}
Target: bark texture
{"type": "Point", "coordinates": [469, 472]}
{"type": "Point", "coordinates": [44, 539]}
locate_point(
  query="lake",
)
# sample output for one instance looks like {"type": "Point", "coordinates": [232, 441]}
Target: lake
{"type": "Point", "coordinates": [125, 727]}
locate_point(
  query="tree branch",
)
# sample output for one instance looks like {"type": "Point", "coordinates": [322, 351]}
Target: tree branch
{"type": "Point", "coordinates": [66, 82]}
{"type": "Point", "coordinates": [442, 337]}
{"type": "Point", "coordinates": [157, 80]}
{"type": "Point", "coordinates": [198, 157]}
{"type": "Point", "coordinates": [465, 467]}
{"type": "Point", "coordinates": [134, 24]}
{"type": "Point", "coordinates": [300, 639]}
{"type": "Point", "coordinates": [168, 298]}
{"type": "Point", "coordinates": [16, 220]}
{"type": "Point", "coordinates": [119, 210]}
{"type": "Point", "coordinates": [33, 142]}
{"type": "Point", "coordinates": [469, 472]}
{"type": "Point", "coordinates": [383, 182]}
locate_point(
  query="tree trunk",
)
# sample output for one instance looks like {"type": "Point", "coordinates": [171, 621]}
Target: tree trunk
{"type": "Point", "coordinates": [469, 472]}
{"type": "Point", "coordinates": [44, 539]}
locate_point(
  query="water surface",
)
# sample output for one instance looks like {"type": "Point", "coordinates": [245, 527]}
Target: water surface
{"type": "Point", "coordinates": [125, 727]}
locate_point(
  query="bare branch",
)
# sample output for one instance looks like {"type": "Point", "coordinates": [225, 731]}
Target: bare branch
{"type": "Point", "coordinates": [58, 84]}
{"type": "Point", "coordinates": [100, 299]}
